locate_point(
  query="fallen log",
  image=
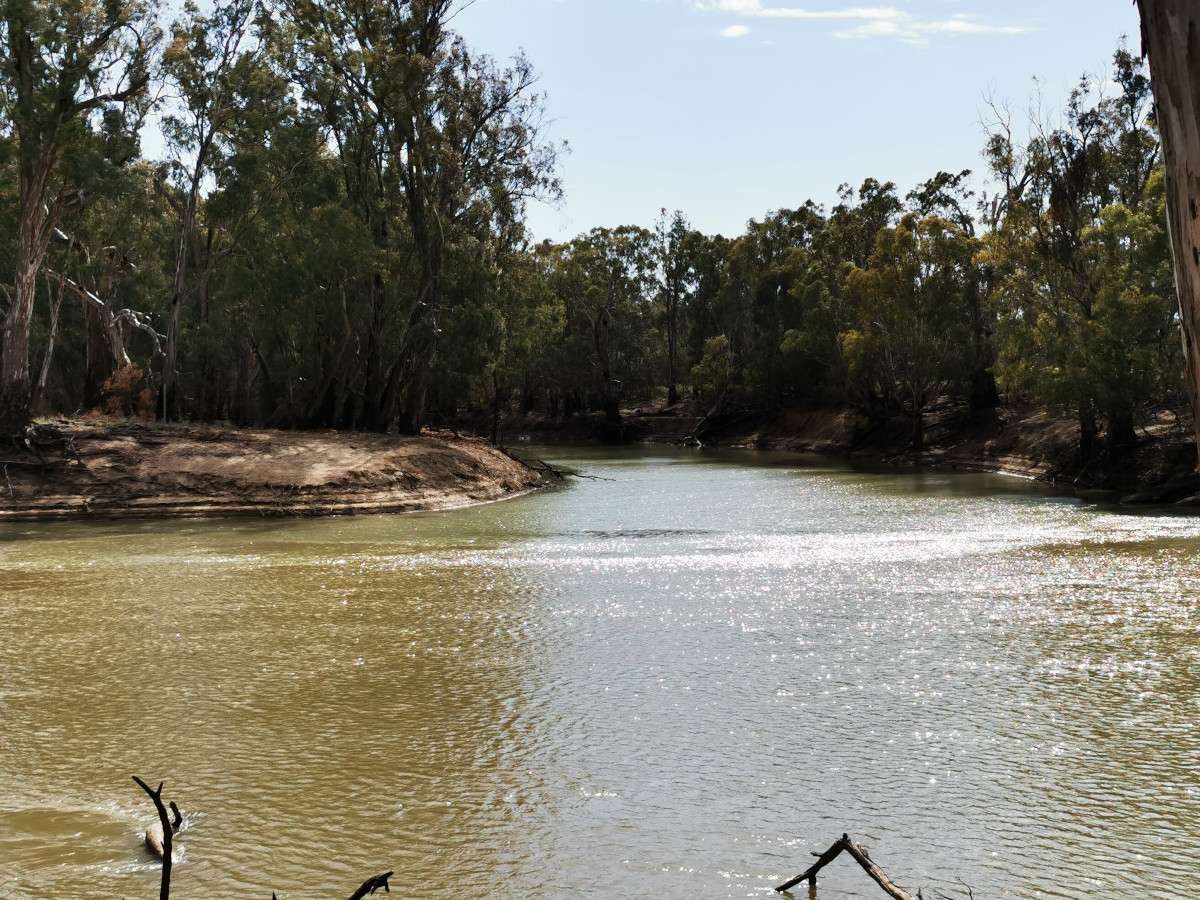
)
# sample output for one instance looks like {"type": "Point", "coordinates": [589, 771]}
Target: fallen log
{"type": "Point", "coordinates": [860, 856]}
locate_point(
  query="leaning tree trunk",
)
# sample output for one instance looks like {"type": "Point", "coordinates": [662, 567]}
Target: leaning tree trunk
{"type": "Point", "coordinates": [1171, 40]}
{"type": "Point", "coordinates": [16, 393]}
{"type": "Point", "coordinates": [16, 390]}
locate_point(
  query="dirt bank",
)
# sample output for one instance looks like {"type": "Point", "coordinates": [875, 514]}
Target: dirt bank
{"type": "Point", "coordinates": [146, 471]}
{"type": "Point", "coordinates": [1015, 440]}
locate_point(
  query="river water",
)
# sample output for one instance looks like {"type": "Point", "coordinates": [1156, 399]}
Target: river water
{"type": "Point", "coordinates": [675, 679]}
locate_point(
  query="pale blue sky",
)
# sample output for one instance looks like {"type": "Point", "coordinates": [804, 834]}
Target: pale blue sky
{"type": "Point", "coordinates": [729, 108]}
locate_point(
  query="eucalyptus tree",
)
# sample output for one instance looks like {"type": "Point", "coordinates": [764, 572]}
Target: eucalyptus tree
{"type": "Point", "coordinates": [949, 196]}
{"type": "Point", "coordinates": [674, 288]}
{"type": "Point", "coordinates": [1169, 37]}
{"type": "Point", "coordinates": [780, 258]}
{"type": "Point", "coordinates": [913, 300]}
{"type": "Point", "coordinates": [1076, 313]}
{"type": "Point", "coordinates": [71, 76]}
{"type": "Point", "coordinates": [286, 326]}
{"type": "Point", "coordinates": [214, 69]}
{"type": "Point", "coordinates": [708, 259]}
{"type": "Point", "coordinates": [817, 316]}
{"type": "Point", "coordinates": [436, 144]}
{"type": "Point", "coordinates": [112, 261]}
{"type": "Point", "coordinates": [606, 280]}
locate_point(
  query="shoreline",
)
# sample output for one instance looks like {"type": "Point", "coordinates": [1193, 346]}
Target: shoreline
{"type": "Point", "coordinates": [131, 471]}
{"type": "Point", "coordinates": [125, 470]}
{"type": "Point", "coordinates": [1020, 441]}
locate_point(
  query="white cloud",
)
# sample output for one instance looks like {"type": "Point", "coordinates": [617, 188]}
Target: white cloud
{"type": "Point", "coordinates": [914, 31]}
{"type": "Point", "coordinates": [735, 31]}
{"type": "Point", "coordinates": [755, 8]}
{"type": "Point", "coordinates": [877, 21]}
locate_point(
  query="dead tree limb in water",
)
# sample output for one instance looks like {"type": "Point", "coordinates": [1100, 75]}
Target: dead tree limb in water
{"type": "Point", "coordinates": [164, 891]}
{"type": "Point", "coordinates": [860, 856]}
{"type": "Point", "coordinates": [371, 885]}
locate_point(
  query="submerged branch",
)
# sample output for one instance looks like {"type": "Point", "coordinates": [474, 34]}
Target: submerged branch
{"type": "Point", "coordinates": [371, 885]}
{"type": "Point", "coordinates": [546, 470]}
{"type": "Point", "coordinates": [860, 856]}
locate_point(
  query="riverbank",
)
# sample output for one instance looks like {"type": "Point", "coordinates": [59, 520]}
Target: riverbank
{"type": "Point", "coordinates": [143, 471]}
{"type": "Point", "coordinates": [1013, 440]}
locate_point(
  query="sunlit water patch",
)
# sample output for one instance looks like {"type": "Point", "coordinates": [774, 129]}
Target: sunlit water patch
{"type": "Point", "coordinates": [677, 680]}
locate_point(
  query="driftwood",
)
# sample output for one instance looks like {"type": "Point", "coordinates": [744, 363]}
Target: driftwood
{"type": "Point", "coordinates": [546, 470]}
{"type": "Point", "coordinates": [37, 440]}
{"type": "Point", "coordinates": [165, 889]}
{"type": "Point", "coordinates": [694, 437]}
{"type": "Point", "coordinates": [860, 856]}
{"type": "Point", "coordinates": [371, 885]}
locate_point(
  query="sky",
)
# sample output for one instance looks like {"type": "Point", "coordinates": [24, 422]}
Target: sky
{"type": "Point", "coordinates": [727, 109]}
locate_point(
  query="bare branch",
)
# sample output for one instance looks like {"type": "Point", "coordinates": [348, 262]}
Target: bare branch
{"type": "Point", "coordinates": [371, 885]}
{"type": "Point", "coordinates": [156, 795]}
{"type": "Point", "coordinates": [860, 856]}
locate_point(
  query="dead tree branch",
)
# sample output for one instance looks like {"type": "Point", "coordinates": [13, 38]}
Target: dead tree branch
{"type": "Point", "coordinates": [371, 885]}
{"type": "Point", "coordinates": [164, 891]}
{"type": "Point", "coordinates": [860, 856]}
{"type": "Point", "coordinates": [546, 470]}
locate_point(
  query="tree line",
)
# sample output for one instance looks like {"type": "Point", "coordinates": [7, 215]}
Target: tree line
{"type": "Point", "coordinates": [340, 187]}
{"type": "Point", "coordinates": [1056, 288]}
{"type": "Point", "coordinates": [330, 233]}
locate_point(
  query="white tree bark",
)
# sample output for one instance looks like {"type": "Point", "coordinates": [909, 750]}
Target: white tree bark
{"type": "Point", "coordinates": [1171, 40]}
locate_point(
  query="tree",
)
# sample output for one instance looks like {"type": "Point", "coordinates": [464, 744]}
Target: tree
{"type": "Point", "coordinates": [914, 303]}
{"type": "Point", "coordinates": [949, 196]}
{"type": "Point", "coordinates": [111, 262]}
{"type": "Point", "coordinates": [209, 68]}
{"type": "Point", "coordinates": [606, 282]}
{"type": "Point", "coordinates": [436, 144]}
{"type": "Point", "coordinates": [822, 343]}
{"type": "Point", "coordinates": [1169, 39]}
{"type": "Point", "coordinates": [69, 76]}
{"type": "Point", "coordinates": [671, 245]}
{"type": "Point", "coordinates": [1078, 292]}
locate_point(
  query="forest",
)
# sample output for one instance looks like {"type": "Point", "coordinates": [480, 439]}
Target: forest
{"type": "Point", "coordinates": [325, 228]}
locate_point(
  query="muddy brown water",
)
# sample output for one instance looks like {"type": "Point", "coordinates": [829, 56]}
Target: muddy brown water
{"type": "Point", "coordinates": [676, 682]}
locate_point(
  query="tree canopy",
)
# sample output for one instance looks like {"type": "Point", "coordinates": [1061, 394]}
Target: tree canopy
{"type": "Point", "coordinates": [332, 234]}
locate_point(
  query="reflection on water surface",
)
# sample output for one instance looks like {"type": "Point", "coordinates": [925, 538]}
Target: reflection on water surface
{"type": "Point", "coordinates": [677, 682]}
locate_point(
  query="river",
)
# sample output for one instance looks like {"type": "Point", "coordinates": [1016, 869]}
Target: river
{"type": "Point", "coordinates": [676, 678]}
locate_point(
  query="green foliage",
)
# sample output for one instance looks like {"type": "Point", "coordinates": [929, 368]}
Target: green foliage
{"type": "Point", "coordinates": [335, 237]}
{"type": "Point", "coordinates": [713, 375]}
{"type": "Point", "coordinates": [73, 83]}
{"type": "Point", "coordinates": [1083, 285]}
{"type": "Point", "coordinates": [913, 339]}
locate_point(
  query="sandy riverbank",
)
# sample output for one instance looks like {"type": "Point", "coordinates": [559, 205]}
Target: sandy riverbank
{"type": "Point", "coordinates": [142, 471]}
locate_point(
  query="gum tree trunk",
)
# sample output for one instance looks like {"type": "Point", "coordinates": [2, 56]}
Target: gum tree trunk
{"type": "Point", "coordinates": [1171, 40]}
{"type": "Point", "coordinates": [16, 394]}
